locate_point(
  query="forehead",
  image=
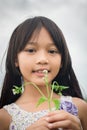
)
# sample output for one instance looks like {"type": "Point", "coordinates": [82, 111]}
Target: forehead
{"type": "Point", "coordinates": [41, 34]}
{"type": "Point", "coordinates": [41, 39]}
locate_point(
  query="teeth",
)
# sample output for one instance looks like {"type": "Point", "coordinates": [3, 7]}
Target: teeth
{"type": "Point", "coordinates": [42, 71]}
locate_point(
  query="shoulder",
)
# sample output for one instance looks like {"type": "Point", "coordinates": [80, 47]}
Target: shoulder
{"type": "Point", "coordinates": [81, 104]}
{"type": "Point", "coordinates": [82, 110]}
{"type": "Point", "coordinates": [4, 119]}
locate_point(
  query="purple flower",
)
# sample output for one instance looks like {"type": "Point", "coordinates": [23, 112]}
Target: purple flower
{"type": "Point", "coordinates": [69, 107]}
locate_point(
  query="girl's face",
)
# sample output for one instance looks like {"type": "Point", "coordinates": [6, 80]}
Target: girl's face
{"type": "Point", "coordinates": [38, 55]}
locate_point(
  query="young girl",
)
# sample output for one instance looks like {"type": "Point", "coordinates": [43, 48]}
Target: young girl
{"type": "Point", "coordinates": [38, 45]}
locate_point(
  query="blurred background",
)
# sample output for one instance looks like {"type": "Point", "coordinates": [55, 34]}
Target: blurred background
{"type": "Point", "coordinates": [69, 15]}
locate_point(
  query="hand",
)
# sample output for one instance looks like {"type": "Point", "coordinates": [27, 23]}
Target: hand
{"type": "Point", "coordinates": [63, 119]}
{"type": "Point", "coordinates": [41, 124]}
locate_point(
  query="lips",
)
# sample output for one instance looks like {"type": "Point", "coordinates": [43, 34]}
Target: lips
{"type": "Point", "coordinates": [40, 72]}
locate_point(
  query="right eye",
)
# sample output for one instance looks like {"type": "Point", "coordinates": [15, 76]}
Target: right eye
{"type": "Point", "coordinates": [31, 50]}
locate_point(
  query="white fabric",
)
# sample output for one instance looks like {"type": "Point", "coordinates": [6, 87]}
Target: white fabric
{"type": "Point", "coordinates": [22, 119]}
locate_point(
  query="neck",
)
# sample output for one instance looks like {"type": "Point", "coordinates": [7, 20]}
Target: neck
{"type": "Point", "coordinates": [32, 93]}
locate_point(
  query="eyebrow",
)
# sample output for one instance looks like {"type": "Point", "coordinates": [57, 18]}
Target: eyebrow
{"type": "Point", "coordinates": [33, 43]}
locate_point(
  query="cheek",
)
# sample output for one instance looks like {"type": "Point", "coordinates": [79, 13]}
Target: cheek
{"type": "Point", "coordinates": [57, 66]}
{"type": "Point", "coordinates": [56, 70]}
{"type": "Point", "coordinates": [23, 66]}
{"type": "Point", "coordinates": [22, 69]}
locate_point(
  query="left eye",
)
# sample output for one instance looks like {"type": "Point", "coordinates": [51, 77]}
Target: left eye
{"type": "Point", "coordinates": [53, 51]}
{"type": "Point", "coordinates": [31, 50]}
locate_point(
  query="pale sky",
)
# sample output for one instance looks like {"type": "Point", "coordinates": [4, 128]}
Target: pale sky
{"type": "Point", "coordinates": [69, 15]}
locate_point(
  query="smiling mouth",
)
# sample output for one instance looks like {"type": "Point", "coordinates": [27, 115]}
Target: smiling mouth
{"type": "Point", "coordinates": [40, 72]}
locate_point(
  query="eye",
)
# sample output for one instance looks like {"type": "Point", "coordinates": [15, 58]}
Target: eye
{"type": "Point", "coordinates": [53, 51]}
{"type": "Point", "coordinates": [30, 50]}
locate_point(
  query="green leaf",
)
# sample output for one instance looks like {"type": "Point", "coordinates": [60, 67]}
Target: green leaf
{"type": "Point", "coordinates": [55, 86]}
{"type": "Point", "coordinates": [56, 103]}
{"type": "Point", "coordinates": [62, 87]}
{"type": "Point", "coordinates": [17, 90]}
{"type": "Point", "coordinates": [41, 100]}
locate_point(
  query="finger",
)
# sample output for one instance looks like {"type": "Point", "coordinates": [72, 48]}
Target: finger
{"type": "Point", "coordinates": [62, 124]}
{"type": "Point", "coordinates": [65, 124]}
{"type": "Point", "coordinates": [73, 122]}
{"type": "Point", "coordinates": [54, 112]}
{"type": "Point", "coordinates": [41, 124]}
{"type": "Point", "coordinates": [58, 116]}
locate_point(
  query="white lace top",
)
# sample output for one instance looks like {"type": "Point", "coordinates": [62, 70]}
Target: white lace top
{"type": "Point", "coordinates": [22, 119]}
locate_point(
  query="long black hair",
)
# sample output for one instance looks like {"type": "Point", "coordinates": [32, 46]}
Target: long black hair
{"type": "Point", "coordinates": [18, 41]}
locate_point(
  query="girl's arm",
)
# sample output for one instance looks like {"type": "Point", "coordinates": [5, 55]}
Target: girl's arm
{"type": "Point", "coordinates": [82, 107]}
{"type": "Point", "coordinates": [4, 120]}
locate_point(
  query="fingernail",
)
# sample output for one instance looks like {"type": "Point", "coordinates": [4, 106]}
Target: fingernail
{"type": "Point", "coordinates": [50, 125]}
{"type": "Point", "coordinates": [47, 118]}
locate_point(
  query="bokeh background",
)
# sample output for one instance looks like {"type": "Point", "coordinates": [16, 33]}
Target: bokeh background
{"type": "Point", "coordinates": [69, 15]}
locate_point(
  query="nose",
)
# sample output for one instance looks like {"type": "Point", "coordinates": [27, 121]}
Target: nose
{"type": "Point", "coordinates": [42, 58]}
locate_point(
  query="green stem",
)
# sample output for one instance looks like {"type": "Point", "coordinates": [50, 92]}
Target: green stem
{"type": "Point", "coordinates": [48, 90]}
{"type": "Point", "coordinates": [30, 83]}
{"type": "Point", "coordinates": [49, 95]}
{"type": "Point", "coordinates": [49, 103]}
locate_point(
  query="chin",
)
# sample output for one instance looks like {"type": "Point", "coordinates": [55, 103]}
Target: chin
{"type": "Point", "coordinates": [40, 83]}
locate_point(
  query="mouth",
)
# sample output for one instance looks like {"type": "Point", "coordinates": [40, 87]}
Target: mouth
{"type": "Point", "coordinates": [41, 72]}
